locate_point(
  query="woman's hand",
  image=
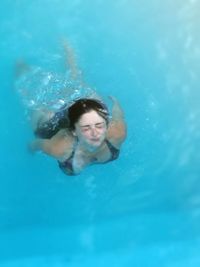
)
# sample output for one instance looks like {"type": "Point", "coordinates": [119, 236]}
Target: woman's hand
{"type": "Point", "coordinates": [113, 99]}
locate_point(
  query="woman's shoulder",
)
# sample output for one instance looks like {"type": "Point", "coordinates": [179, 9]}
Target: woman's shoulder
{"type": "Point", "coordinates": [62, 143]}
{"type": "Point", "coordinates": [116, 132]}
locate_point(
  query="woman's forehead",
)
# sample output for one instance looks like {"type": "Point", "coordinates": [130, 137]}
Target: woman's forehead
{"type": "Point", "coordinates": [90, 117]}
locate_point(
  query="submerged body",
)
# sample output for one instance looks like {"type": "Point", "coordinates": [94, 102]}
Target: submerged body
{"type": "Point", "coordinates": [92, 140]}
{"type": "Point", "coordinates": [78, 134]}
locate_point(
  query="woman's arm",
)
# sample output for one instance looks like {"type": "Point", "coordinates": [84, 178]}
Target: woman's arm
{"type": "Point", "coordinates": [58, 145]}
{"type": "Point", "coordinates": [44, 145]}
{"type": "Point", "coordinates": [116, 133]}
{"type": "Point", "coordinates": [76, 74]}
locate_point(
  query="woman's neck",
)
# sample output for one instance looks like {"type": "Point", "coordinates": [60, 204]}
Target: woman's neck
{"type": "Point", "coordinates": [90, 150]}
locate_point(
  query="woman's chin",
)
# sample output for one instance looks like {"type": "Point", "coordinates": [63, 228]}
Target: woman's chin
{"type": "Point", "coordinates": [95, 143]}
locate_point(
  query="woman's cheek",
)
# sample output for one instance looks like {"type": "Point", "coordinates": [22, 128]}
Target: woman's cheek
{"type": "Point", "coordinates": [85, 133]}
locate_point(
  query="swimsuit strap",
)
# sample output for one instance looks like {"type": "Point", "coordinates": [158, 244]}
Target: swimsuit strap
{"type": "Point", "coordinates": [67, 165]}
{"type": "Point", "coordinates": [113, 150]}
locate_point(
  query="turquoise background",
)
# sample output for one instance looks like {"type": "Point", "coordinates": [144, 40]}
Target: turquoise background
{"type": "Point", "coordinates": [143, 209]}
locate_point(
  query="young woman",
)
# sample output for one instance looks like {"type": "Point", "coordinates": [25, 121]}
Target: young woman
{"type": "Point", "coordinates": [80, 133]}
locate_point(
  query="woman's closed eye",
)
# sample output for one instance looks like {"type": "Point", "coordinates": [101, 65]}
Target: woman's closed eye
{"type": "Point", "coordinates": [85, 128]}
{"type": "Point", "coordinates": [100, 125]}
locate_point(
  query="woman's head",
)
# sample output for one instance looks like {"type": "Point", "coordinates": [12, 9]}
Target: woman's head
{"type": "Point", "coordinates": [83, 106]}
{"type": "Point", "coordinates": [88, 120]}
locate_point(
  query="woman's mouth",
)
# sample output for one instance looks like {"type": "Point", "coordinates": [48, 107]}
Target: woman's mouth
{"type": "Point", "coordinates": [95, 139]}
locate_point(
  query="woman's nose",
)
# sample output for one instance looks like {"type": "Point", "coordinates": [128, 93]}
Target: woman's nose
{"type": "Point", "coordinates": [94, 131]}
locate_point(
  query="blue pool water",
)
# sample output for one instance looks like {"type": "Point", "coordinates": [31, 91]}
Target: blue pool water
{"type": "Point", "coordinates": [143, 209]}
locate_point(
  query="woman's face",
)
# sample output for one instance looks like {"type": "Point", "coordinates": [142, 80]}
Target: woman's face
{"type": "Point", "coordinates": [91, 129]}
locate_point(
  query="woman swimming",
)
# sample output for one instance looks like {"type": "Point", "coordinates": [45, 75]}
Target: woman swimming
{"type": "Point", "coordinates": [88, 136]}
{"type": "Point", "coordinates": [81, 133]}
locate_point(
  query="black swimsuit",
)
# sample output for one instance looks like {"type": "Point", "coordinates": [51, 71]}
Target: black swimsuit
{"type": "Point", "coordinates": [67, 165]}
{"type": "Point", "coordinates": [49, 128]}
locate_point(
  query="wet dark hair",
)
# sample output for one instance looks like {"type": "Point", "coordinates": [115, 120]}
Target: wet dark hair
{"type": "Point", "coordinates": [67, 117]}
{"type": "Point", "coordinates": [84, 105]}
